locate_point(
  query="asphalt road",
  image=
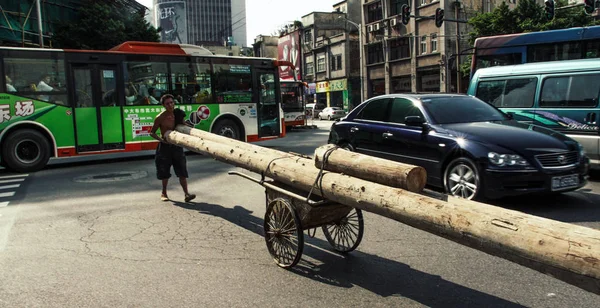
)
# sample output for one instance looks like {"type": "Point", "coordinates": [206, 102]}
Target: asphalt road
{"type": "Point", "coordinates": [95, 234]}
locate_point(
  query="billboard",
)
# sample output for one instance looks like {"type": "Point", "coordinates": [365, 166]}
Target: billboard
{"type": "Point", "coordinates": [172, 20]}
{"type": "Point", "coordinates": [288, 49]}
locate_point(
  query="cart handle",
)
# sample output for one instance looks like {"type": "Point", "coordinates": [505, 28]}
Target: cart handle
{"type": "Point", "coordinates": [281, 190]}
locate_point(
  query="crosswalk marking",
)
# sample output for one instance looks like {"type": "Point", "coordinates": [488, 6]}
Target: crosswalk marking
{"type": "Point", "coordinates": [7, 194]}
{"type": "Point", "coordinates": [11, 181]}
{"type": "Point", "coordinates": [10, 186]}
{"type": "Point", "coordinates": [14, 176]}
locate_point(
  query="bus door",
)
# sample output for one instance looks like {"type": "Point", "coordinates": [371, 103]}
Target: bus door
{"type": "Point", "coordinates": [97, 107]}
{"type": "Point", "coordinates": [267, 103]}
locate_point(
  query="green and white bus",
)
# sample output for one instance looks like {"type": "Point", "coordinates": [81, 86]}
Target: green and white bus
{"type": "Point", "coordinates": [65, 103]}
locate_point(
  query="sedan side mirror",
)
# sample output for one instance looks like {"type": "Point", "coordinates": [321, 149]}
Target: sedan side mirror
{"type": "Point", "coordinates": [414, 121]}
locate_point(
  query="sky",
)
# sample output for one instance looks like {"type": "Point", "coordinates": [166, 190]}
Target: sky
{"type": "Point", "coordinates": [265, 16]}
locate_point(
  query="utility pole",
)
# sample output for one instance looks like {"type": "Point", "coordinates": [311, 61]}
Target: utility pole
{"type": "Point", "coordinates": [456, 11]}
{"type": "Point", "coordinates": [39, 14]}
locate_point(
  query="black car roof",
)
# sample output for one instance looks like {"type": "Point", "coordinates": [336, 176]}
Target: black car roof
{"type": "Point", "coordinates": [422, 96]}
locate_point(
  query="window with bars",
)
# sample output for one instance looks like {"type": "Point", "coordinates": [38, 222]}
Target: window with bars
{"type": "Point", "coordinates": [434, 42]}
{"type": "Point", "coordinates": [375, 53]}
{"type": "Point", "coordinates": [399, 49]}
{"type": "Point", "coordinates": [374, 12]}
{"type": "Point", "coordinates": [321, 64]}
{"type": "Point", "coordinates": [310, 68]}
{"type": "Point", "coordinates": [396, 7]}
{"type": "Point", "coordinates": [335, 63]}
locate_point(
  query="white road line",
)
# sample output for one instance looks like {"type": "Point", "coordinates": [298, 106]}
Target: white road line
{"type": "Point", "coordinates": [14, 176]}
{"type": "Point", "coordinates": [7, 194]}
{"type": "Point", "coordinates": [10, 186]}
{"type": "Point", "coordinates": [11, 181]}
{"type": "Point", "coordinates": [3, 204]}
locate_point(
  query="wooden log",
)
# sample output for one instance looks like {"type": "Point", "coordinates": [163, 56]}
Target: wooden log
{"type": "Point", "coordinates": [383, 171]}
{"type": "Point", "coordinates": [565, 251]}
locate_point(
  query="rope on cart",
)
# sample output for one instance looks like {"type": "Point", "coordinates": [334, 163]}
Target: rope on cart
{"type": "Point", "coordinates": [319, 178]}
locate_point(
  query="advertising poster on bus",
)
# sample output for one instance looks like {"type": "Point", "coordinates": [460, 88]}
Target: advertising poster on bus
{"type": "Point", "coordinates": [172, 21]}
{"type": "Point", "coordinates": [288, 49]}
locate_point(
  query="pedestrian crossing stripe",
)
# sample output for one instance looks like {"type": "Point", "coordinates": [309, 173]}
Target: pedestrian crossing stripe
{"type": "Point", "coordinates": [3, 204]}
{"type": "Point", "coordinates": [10, 186]}
{"type": "Point", "coordinates": [11, 181]}
{"type": "Point", "coordinates": [7, 194]}
{"type": "Point", "coordinates": [14, 176]}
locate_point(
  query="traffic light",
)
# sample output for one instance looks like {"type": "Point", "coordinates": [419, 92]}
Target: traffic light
{"type": "Point", "coordinates": [550, 9]}
{"type": "Point", "coordinates": [405, 14]}
{"type": "Point", "coordinates": [590, 6]}
{"type": "Point", "coordinates": [439, 17]}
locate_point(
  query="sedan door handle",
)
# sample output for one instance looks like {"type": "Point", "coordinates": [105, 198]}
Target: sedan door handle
{"type": "Point", "coordinates": [387, 135]}
{"type": "Point", "coordinates": [353, 129]}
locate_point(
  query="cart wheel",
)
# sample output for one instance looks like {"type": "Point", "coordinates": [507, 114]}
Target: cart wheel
{"type": "Point", "coordinates": [283, 233]}
{"type": "Point", "coordinates": [345, 235]}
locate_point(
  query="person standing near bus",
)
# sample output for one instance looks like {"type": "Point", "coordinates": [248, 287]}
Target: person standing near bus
{"type": "Point", "coordinates": [167, 154]}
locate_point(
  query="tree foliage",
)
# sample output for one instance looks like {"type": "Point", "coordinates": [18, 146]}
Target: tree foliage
{"type": "Point", "coordinates": [528, 16]}
{"type": "Point", "coordinates": [101, 26]}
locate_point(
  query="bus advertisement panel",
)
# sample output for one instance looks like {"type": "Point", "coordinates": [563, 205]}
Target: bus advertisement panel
{"type": "Point", "coordinates": [65, 103]}
{"type": "Point", "coordinates": [551, 45]}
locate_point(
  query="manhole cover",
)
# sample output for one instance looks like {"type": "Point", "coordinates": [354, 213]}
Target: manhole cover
{"type": "Point", "coordinates": [111, 177]}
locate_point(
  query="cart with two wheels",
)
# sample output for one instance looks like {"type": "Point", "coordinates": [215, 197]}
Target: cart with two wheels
{"type": "Point", "coordinates": [291, 211]}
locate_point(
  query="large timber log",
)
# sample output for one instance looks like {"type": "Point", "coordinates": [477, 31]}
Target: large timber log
{"type": "Point", "coordinates": [374, 169]}
{"type": "Point", "coordinates": [567, 252]}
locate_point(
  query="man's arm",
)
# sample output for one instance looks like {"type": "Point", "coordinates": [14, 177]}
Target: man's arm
{"type": "Point", "coordinates": [155, 128]}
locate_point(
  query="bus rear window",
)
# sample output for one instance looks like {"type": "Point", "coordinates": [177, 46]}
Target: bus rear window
{"type": "Point", "coordinates": [497, 60]}
{"type": "Point", "coordinates": [508, 93]}
{"type": "Point", "coordinates": [571, 91]}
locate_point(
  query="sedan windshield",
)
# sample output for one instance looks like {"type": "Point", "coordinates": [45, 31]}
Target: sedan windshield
{"type": "Point", "coordinates": [461, 109]}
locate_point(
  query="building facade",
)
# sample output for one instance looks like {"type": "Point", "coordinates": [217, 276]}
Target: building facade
{"type": "Point", "coordinates": [330, 49]}
{"type": "Point", "coordinates": [201, 22]}
{"type": "Point", "coordinates": [419, 56]}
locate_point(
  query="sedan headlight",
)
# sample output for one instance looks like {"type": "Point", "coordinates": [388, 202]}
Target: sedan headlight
{"type": "Point", "coordinates": [581, 150]}
{"type": "Point", "coordinates": [506, 159]}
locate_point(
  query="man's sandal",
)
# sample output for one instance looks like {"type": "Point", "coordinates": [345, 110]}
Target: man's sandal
{"type": "Point", "coordinates": [189, 197]}
{"type": "Point", "coordinates": [164, 198]}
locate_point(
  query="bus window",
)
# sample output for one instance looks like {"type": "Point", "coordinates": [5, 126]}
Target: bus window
{"type": "Point", "coordinates": [497, 60]}
{"type": "Point", "coordinates": [183, 80]}
{"type": "Point", "coordinates": [203, 87]}
{"type": "Point", "coordinates": [42, 79]}
{"type": "Point", "coordinates": [233, 83]}
{"type": "Point", "coordinates": [592, 49]}
{"type": "Point", "coordinates": [554, 52]}
{"type": "Point", "coordinates": [140, 78]}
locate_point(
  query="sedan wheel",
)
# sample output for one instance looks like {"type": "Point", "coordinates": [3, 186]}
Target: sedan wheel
{"type": "Point", "coordinates": [461, 179]}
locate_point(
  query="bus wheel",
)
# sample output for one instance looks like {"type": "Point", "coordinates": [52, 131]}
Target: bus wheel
{"type": "Point", "coordinates": [26, 150]}
{"type": "Point", "coordinates": [228, 129]}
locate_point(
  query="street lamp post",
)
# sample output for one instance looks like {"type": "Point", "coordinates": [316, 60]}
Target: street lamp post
{"type": "Point", "coordinates": [360, 43]}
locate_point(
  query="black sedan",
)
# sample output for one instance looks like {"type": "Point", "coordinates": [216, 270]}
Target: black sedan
{"type": "Point", "coordinates": [468, 147]}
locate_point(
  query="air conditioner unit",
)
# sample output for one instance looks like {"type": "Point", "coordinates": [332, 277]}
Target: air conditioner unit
{"type": "Point", "coordinates": [370, 28]}
{"type": "Point", "coordinates": [393, 22]}
{"type": "Point", "coordinates": [376, 27]}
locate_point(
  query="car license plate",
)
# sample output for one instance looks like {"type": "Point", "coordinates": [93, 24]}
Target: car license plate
{"type": "Point", "coordinates": [565, 181]}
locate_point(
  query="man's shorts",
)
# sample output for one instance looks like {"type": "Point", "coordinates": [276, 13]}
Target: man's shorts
{"type": "Point", "coordinates": [168, 155]}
